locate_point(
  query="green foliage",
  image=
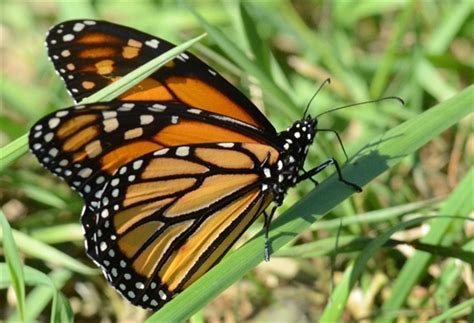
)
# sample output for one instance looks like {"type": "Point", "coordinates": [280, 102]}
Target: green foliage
{"type": "Point", "coordinates": [398, 251]}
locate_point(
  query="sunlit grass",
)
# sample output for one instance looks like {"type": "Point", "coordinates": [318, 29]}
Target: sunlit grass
{"type": "Point", "coordinates": [414, 162]}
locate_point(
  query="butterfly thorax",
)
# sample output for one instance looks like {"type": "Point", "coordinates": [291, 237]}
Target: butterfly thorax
{"type": "Point", "coordinates": [296, 141]}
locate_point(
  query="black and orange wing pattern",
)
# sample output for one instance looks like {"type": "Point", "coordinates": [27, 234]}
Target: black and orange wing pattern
{"type": "Point", "coordinates": [89, 55]}
{"type": "Point", "coordinates": [173, 171]}
{"type": "Point", "coordinates": [86, 144]}
{"type": "Point", "coordinates": [169, 216]}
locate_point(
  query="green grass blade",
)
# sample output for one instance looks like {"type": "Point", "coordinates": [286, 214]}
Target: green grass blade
{"type": "Point", "coordinates": [335, 308]}
{"type": "Point", "coordinates": [432, 81]}
{"type": "Point", "coordinates": [396, 144]}
{"type": "Point", "coordinates": [459, 311]}
{"type": "Point", "coordinates": [451, 275]}
{"type": "Point", "coordinates": [40, 296]}
{"type": "Point", "coordinates": [354, 84]}
{"type": "Point", "coordinates": [17, 148]}
{"type": "Point", "coordinates": [459, 203]}
{"type": "Point", "coordinates": [258, 47]}
{"type": "Point", "coordinates": [14, 267]}
{"type": "Point", "coordinates": [13, 151]}
{"type": "Point", "coordinates": [347, 244]}
{"type": "Point", "coordinates": [376, 216]}
{"type": "Point", "coordinates": [379, 82]}
{"type": "Point", "coordinates": [61, 311]}
{"type": "Point", "coordinates": [58, 233]}
{"type": "Point", "coordinates": [39, 250]}
{"type": "Point", "coordinates": [442, 37]}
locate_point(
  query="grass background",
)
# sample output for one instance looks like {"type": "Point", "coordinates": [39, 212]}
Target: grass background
{"type": "Point", "coordinates": [376, 256]}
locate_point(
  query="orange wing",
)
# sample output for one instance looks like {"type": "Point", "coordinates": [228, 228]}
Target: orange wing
{"type": "Point", "coordinates": [89, 55]}
{"type": "Point", "coordinates": [85, 145]}
{"type": "Point", "coordinates": [168, 217]}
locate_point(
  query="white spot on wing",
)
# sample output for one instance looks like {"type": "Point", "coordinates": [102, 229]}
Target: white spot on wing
{"type": "Point", "coordinates": [85, 172]}
{"type": "Point", "coordinates": [182, 151]}
{"type": "Point", "coordinates": [161, 152]}
{"type": "Point", "coordinates": [226, 144]}
{"type": "Point", "coordinates": [157, 107]}
{"type": "Point", "coordinates": [53, 122]}
{"type": "Point", "coordinates": [146, 119]}
{"type": "Point", "coordinates": [109, 114]}
{"type": "Point", "coordinates": [162, 295]}
{"type": "Point", "coordinates": [195, 111]}
{"type": "Point", "coordinates": [104, 214]}
{"type": "Point", "coordinates": [137, 164]}
{"type": "Point", "coordinates": [68, 37]}
{"type": "Point", "coordinates": [66, 53]}
{"type": "Point", "coordinates": [53, 152]}
{"type": "Point", "coordinates": [78, 27]}
{"type": "Point", "coordinates": [153, 43]}
{"type": "Point", "coordinates": [110, 124]}
{"type": "Point", "coordinates": [62, 113]}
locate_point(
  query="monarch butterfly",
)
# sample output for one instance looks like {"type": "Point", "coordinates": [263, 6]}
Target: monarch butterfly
{"type": "Point", "coordinates": [173, 171]}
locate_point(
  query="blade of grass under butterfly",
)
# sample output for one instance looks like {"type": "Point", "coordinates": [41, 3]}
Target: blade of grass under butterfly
{"type": "Point", "coordinates": [14, 267]}
{"type": "Point", "coordinates": [18, 147]}
{"type": "Point", "coordinates": [395, 145]}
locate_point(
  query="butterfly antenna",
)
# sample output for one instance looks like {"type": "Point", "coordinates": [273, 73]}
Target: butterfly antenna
{"type": "Point", "coordinates": [364, 102]}
{"type": "Point", "coordinates": [326, 81]}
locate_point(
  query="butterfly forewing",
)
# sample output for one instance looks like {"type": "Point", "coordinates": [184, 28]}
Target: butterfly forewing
{"type": "Point", "coordinates": [169, 216]}
{"type": "Point", "coordinates": [86, 144]}
{"type": "Point", "coordinates": [88, 55]}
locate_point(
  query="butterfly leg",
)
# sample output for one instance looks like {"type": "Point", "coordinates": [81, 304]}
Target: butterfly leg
{"type": "Point", "coordinates": [320, 168]}
{"type": "Point", "coordinates": [315, 182]}
{"type": "Point", "coordinates": [266, 227]}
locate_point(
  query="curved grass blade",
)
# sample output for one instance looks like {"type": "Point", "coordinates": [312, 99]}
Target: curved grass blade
{"type": "Point", "coordinates": [38, 298]}
{"type": "Point", "coordinates": [61, 310]}
{"type": "Point", "coordinates": [40, 250]}
{"type": "Point", "coordinates": [14, 267]}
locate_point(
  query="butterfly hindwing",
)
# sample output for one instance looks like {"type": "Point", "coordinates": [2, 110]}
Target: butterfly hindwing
{"type": "Point", "coordinates": [89, 55]}
{"type": "Point", "coordinates": [169, 216]}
